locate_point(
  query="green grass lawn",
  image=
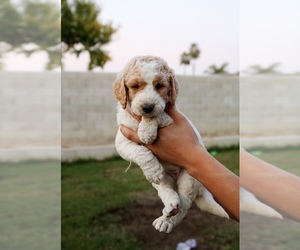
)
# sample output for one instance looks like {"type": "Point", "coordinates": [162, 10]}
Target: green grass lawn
{"type": "Point", "coordinates": [287, 158]}
{"type": "Point", "coordinates": [89, 190]}
{"type": "Point", "coordinates": [94, 194]}
{"type": "Point", "coordinates": [30, 212]}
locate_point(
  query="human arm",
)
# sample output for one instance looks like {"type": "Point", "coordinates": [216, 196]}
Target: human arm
{"type": "Point", "coordinates": [186, 151]}
{"type": "Point", "coordinates": [272, 185]}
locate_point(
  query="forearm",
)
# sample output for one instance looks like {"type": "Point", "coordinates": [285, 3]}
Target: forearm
{"type": "Point", "coordinates": [276, 187]}
{"type": "Point", "coordinates": [221, 182]}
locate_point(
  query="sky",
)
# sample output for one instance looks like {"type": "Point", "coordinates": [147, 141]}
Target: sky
{"type": "Point", "coordinates": [167, 29]}
{"type": "Point", "coordinates": [270, 33]}
{"type": "Point", "coordinates": [239, 32]}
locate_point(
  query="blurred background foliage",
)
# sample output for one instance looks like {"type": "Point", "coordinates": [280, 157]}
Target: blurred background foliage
{"type": "Point", "coordinates": [83, 32]}
{"type": "Point", "coordinates": [31, 26]}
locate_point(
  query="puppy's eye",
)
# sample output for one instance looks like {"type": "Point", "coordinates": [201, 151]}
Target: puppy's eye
{"type": "Point", "coordinates": [135, 86]}
{"type": "Point", "coordinates": [159, 86]}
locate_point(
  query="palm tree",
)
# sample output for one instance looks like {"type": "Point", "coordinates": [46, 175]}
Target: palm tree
{"type": "Point", "coordinates": [215, 70]}
{"type": "Point", "coordinates": [185, 60]}
{"type": "Point", "coordinates": [194, 54]}
{"type": "Point", "coordinates": [257, 69]}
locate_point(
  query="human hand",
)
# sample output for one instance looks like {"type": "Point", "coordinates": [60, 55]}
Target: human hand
{"type": "Point", "coordinates": [175, 143]}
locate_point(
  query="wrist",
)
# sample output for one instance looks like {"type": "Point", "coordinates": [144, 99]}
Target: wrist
{"type": "Point", "coordinates": [192, 163]}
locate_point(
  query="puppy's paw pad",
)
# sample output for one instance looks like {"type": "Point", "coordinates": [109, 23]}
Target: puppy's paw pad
{"type": "Point", "coordinates": [162, 224]}
{"type": "Point", "coordinates": [172, 207]}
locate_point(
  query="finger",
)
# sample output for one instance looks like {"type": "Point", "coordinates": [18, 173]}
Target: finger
{"type": "Point", "coordinates": [171, 109]}
{"type": "Point", "coordinates": [174, 113]}
{"type": "Point", "coordinates": [130, 134]}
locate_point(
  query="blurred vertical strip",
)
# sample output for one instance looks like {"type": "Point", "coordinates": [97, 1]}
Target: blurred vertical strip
{"type": "Point", "coordinates": [30, 124]}
{"type": "Point", "coordinates": [270, 118]}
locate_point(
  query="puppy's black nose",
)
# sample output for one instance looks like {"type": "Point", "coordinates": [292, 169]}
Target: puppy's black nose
{"type": "Point", "coordinates": [148, 108]}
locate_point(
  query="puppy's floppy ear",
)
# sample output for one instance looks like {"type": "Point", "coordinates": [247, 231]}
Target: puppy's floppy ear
{"type": "Point", "coordinates": [120, 91]}
{"type": "Point", "coordinates": [173, 93]}
{"type": "Point", "coordinates": [120, 88]}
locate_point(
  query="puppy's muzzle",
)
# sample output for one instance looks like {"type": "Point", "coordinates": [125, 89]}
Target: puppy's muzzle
{"type": "Point", "coordinates": [148, 108]}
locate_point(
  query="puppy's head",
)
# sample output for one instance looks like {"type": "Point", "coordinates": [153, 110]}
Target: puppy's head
{"type": "Point", "coordinates": [146, 84]}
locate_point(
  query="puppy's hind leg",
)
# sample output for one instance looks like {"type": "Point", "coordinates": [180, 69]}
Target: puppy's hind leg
{"type": "Point", "coordinates": [206, 202]}
{"type": "Point", "coordinates": [187, 195]}
{"type": "Point", "coordinates": [168, 195]}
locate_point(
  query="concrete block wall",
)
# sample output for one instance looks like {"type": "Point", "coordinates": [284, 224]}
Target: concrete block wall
{"type": "Point", "coordinates": [89, 107]}
{"type": "Point", "coordinates": [30, 105]}
{"type": "Point", "coordinates": [269, 106]}
{"type": "Point", "coordinates": [211, 103]}
{"type": "Point", "coordinates": [79, 109]}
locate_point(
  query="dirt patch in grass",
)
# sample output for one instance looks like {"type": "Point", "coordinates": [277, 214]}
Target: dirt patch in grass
{"type": "Point", "coordinates": [210, 232]}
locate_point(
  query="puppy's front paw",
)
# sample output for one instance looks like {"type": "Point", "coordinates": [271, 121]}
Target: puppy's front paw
{"type": "Point", "coordinates": [163, 224]}
{"type": "Point", "coordinates": [147, 137]}
{"type": "Point", "coordinates": [164, 120]}
{"type": "Point", "coordinates": [147, 132]}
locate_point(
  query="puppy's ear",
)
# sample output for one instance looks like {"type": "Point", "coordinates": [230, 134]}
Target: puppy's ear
{"type": "Point", "coordinates": [120, 91]}
{"type": "Point", "coordinates": [173, 93]}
